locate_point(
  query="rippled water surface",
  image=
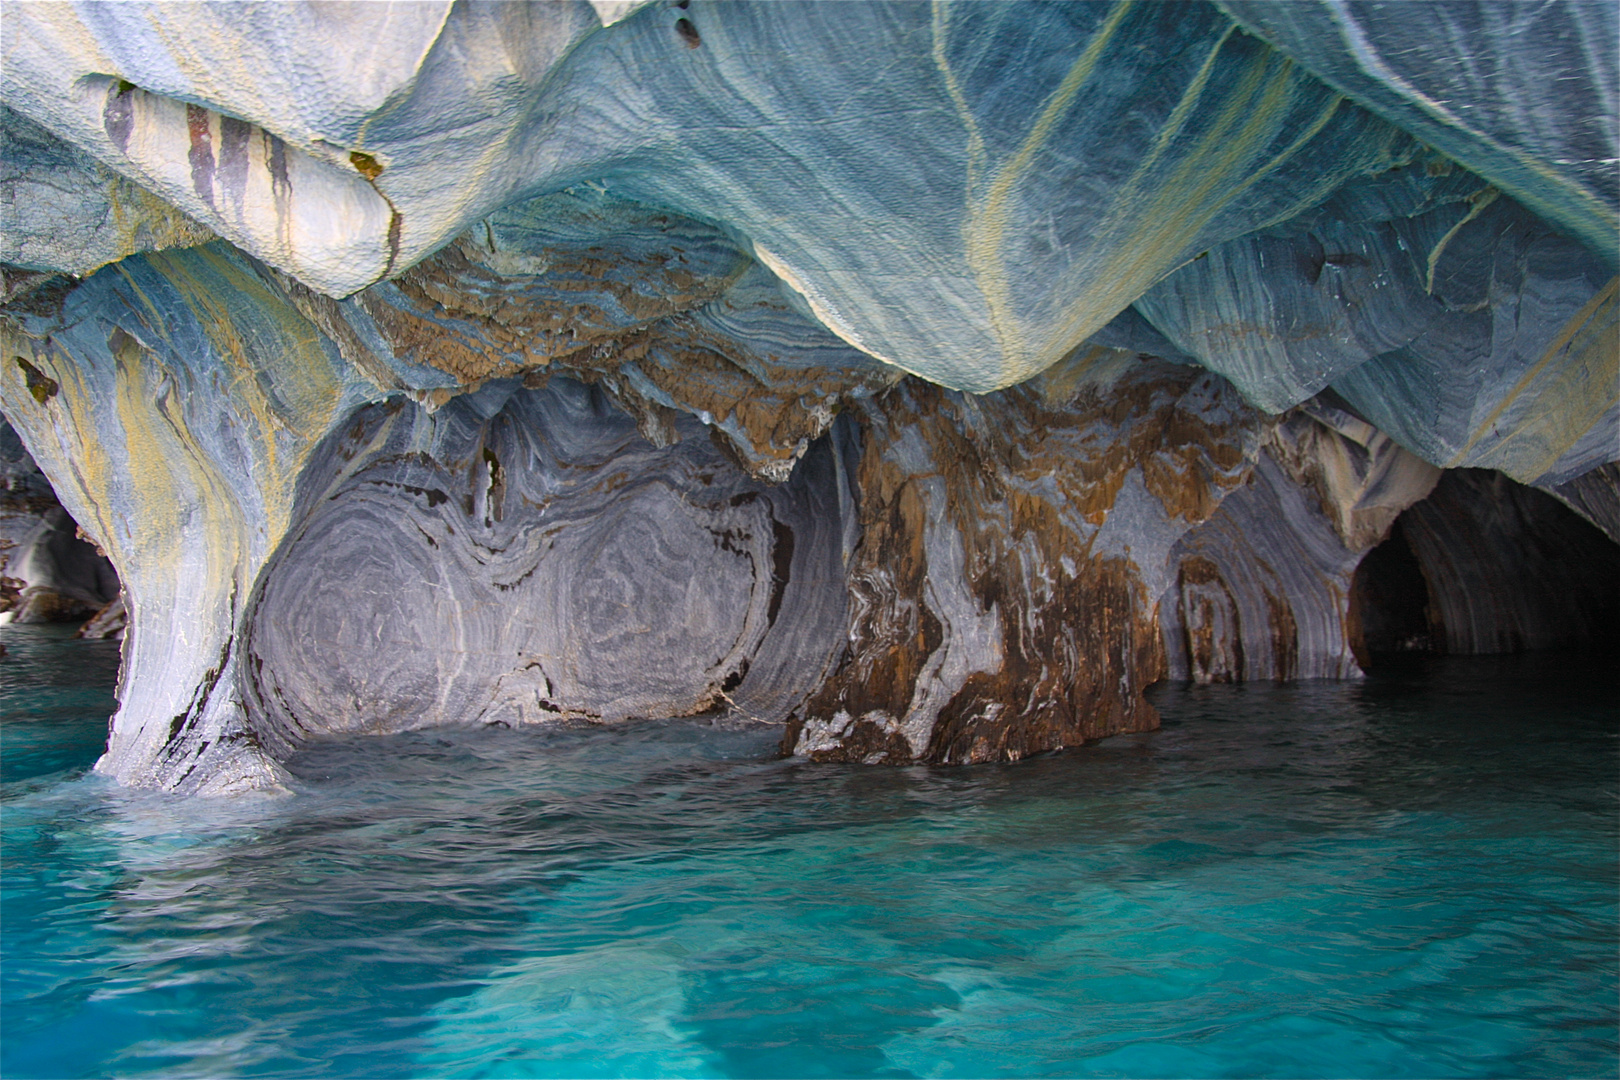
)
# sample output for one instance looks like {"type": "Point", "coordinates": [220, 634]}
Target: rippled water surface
{"type": "Point", "coordinates": [1413, 876]}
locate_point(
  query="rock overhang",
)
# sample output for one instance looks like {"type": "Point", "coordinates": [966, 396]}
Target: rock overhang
{"type": "Point", "coordinates": [965, 191]}
{"type": "Point", "coordinates": [739, 227]}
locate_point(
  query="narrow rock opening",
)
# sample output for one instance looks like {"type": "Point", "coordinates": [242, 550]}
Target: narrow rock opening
{"type": "Point", "coordinates": [1486, 565]}
{"type": "Point", "coordinates": [1389, 602]}
{"type": "Point", "coordinates": [49, 572]}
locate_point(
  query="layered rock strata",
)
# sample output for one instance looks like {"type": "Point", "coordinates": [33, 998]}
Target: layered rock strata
{"type": "Point", "coordinates": [524, 555]}
{"type": "Point", "coordinates": [1261, 589]}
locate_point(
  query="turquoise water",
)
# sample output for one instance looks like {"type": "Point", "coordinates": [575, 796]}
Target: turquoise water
{"type": "Point", "coordinates": [1413, 876]}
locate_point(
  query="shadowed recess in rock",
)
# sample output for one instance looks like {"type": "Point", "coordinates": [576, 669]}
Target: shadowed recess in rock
{"type": "Point", "coordinates": [1485, 565]}
{"type": "Point", "coordinates": [48, 572]}
{"type": "Point", "coordinates": [523, 556]}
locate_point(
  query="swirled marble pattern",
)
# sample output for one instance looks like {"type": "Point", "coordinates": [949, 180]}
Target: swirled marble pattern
{"type": "Point", "coordinates": [1523, 94]}
{"type": "Point", "coordinates": [1002, 598]}
{"type": "Point", "coordinates": [524, 556]}
{"type": "Point", "coordinates": [966, 191]}
{"type": "Point", "coordinates": [552, 363]}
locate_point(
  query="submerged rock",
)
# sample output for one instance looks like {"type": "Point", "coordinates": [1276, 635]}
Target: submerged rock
{"type": "Point", "coordinates": [109, 623]}
{"type": "Point", "coordinates": [928, 380]}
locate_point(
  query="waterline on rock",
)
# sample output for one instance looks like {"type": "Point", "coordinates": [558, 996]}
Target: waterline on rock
{"type": "Point", "coordinates": [1415, 875]}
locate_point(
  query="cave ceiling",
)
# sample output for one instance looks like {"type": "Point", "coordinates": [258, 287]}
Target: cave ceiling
{"type": "Point", "coordinates": [926, 378]}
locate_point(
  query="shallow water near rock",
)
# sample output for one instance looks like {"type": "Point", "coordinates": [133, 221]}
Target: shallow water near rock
{"type": "Point", "coordinates": [1411, 876]}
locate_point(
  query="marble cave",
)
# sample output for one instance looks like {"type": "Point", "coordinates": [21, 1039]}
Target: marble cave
{"type": "Point", "coordinates": [925, 380]}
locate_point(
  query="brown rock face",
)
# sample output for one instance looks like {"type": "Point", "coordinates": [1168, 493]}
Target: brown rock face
{"type": "Point", "coordinates": [40, 604]}
{"type": "Point", "coordinates": [1261, 588]}
{"type": "Point", "coordinates": [1003, 594]}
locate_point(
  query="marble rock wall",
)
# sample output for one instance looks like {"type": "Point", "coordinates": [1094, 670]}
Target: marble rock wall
{"type": "Point", "coordinates": [1262, 589]}
{"type": "Point", "coordinates": [926, 378]}
{"type": "Point", "coordinates": [179, 397]}
{"type": "Point", "coordinates": [1526, 94]}
{"type": "Point", "coordinates": [181, 400]}
{"type": "Point", "coordinates": [523, 556]}
{"type": "Point", "coordinates": [1470, 330]}
{"type": "Point", "coordinates": [1002, 596]}
{"type": "Point", "coordinates": [966, 191]}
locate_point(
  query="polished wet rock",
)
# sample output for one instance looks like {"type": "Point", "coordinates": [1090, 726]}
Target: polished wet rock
{"type": "Point", "coordinates": [524, 556]}
{"type": "Point", "coordinates": [926, 380]}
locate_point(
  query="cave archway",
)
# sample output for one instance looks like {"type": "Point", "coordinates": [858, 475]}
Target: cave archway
{"type": "Point", "coordinates": [1486, 565]}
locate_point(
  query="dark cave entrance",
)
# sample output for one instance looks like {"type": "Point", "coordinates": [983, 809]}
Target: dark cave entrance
{"type": "Point", "coordinates": [1389, 601]}
{"type": "Point", "coordinates": [1486, 565]}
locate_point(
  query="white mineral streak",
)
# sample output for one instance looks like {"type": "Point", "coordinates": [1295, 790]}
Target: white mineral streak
{"type": "Point", "coordinates": [345, 143]}
{"type": "Point", "coordinates": [1525, 94]}
{"type": "Point", "coordinates": [1137, 528]}
{"type": "Point", "coordinates": [1362, 479]}
{"type": "Point", "coordinates": [611, 11]}
{"type": "Point", "coordinates": [972, 632]}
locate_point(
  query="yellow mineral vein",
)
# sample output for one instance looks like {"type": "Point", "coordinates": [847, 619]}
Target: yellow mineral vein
{"type": "Point", "coordinates": [1587, 389]}
{"type": "Point", "coordinates": [942, 19]}
{"type": "Point", "coordinates": [987, 220]}
{"type": "Point", "coordinates": [1480, 201]}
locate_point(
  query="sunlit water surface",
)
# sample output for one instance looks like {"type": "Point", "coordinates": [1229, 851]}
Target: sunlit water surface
{"type": "Point", "coordinates": [1411, 876]}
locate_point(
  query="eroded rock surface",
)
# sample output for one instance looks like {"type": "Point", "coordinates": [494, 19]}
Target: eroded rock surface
{"type": "Point", "coordinates": [551, 363]}
{"type": "Point", "coordinates": [1524, 94]}
{"type": "Point", "coordinates": [524, 555]}
{"type": "Point", "coordinates": [1012, 548]}
{"type": "Point", "coordinates": [62, 210]}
